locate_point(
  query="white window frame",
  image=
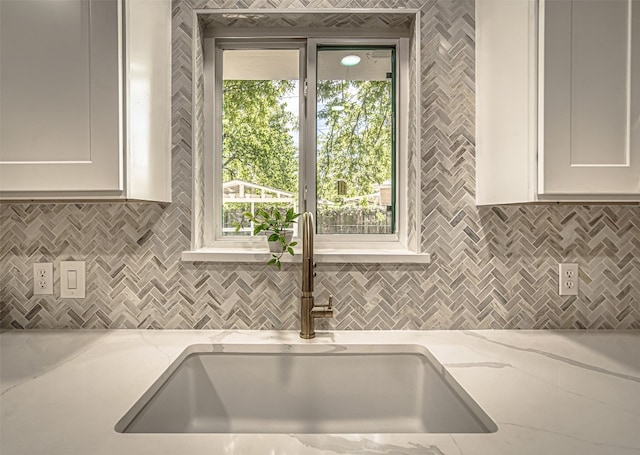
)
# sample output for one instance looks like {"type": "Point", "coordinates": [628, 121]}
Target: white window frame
{"type": "Point", "coordinates": [375, 248]}
{"type": "Point", "coordinates": [213, 142]}
{"type": "Point", "coordinates": [365, 241]}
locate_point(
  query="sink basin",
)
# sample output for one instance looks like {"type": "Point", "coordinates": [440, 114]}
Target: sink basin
{"type": "Point", "coordinates": [306, 389]}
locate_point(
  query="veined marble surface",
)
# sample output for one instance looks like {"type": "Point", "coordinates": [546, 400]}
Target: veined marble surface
{"type": "Point", "coordinates": [550, 392]}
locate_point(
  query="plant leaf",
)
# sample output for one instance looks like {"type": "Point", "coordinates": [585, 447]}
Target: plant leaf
{"type": "Point", "coordinates": [272, 261]}
{"type": "Point", "coordinates": [293, 243]}
{"type": "Point", "coordinates": [290, 250]}
{"type": "Point", "coordinates": [274, 237]}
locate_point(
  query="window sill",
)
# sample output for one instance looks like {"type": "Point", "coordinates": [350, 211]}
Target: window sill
{"type": "Point", "coordinates": [322, 256]}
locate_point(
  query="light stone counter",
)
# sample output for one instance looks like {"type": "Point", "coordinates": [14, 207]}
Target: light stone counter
{"type": "Point", "coordinates": [549, 393]}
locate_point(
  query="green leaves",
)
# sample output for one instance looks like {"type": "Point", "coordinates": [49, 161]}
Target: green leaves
{"type": "Point", "coordinates": [274, 237]}
{"type": "Point", "coordinates": [356, 143]}
{"type": "Point", "coordinates": [290, 216]}
{"type": "Point", "coordinates": [272, 219]}
{"type": "Point", "coordinates": [275, 260]}
{"type": "Point", "coordinates": [257, 145]}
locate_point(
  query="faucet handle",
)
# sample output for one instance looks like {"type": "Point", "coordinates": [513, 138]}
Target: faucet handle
{"type": "Point", "coordinates": [328, 305]}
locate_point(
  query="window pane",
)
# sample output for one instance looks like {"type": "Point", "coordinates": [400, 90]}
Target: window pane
{"type": "Point", "coordinates": [260, 125]}
{"type": "Point", "coordinates": [355, 140]}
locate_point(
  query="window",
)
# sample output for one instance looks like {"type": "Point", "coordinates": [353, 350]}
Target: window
{"type": "Point", "coordinates": [259, 130]}
{"type": "Point", "coordinates": [317, 124]}
{"type": "Point", "coordinates": [355, 140]}
{"type": "Point", "coordinates": [264, 96]}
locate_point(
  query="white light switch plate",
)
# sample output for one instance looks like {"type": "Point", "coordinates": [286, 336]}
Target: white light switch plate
{"type": "Point", "coordinates": [72, 279]}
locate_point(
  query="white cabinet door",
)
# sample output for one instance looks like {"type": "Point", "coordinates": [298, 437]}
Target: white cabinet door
{"type": "Point", "coordinates": [589, 129]}
{"type": "Point", "coordinates": [506, 102]}
{"type": "Point", "coordinates": [60, 96]}
{"type": "Point", "coordinates": [148, 99]}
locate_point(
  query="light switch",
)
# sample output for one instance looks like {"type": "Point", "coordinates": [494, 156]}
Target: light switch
{"type": "Point", "coordinates": [72, 279]}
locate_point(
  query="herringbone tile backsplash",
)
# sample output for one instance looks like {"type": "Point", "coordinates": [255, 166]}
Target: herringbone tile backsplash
{"type": "Point", "coordinates": [491, 267]}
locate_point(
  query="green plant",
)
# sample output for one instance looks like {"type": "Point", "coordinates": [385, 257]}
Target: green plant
{"type": "Point", "coordinates": [273, 222]}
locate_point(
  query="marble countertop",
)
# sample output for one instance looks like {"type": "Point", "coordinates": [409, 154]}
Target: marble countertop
{"type": "Point", "coordinates": [549, 392]}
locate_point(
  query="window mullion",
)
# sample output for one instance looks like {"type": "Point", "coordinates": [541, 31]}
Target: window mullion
{"type": "Point", "coordinates": [309, 156]}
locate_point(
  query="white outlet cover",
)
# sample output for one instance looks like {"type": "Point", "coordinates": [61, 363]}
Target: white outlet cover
{"type": "Point", "coordinates": [72, 280]}
{"type": "Point", "coordinates": [43, 278]}
{"type": "Point", "coordinates": [568, 278]}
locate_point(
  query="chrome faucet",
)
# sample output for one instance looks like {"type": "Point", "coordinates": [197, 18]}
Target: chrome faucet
{"type": "Point", "coordinates": [307, 311]}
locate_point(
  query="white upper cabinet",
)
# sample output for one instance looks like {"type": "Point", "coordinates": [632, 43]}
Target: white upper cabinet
{"type": "Point", "coordinates": [59, 124]}
{"type": "Point", "coordinates": [560, 98]}
{"type": "Point", "coordinates": [590, 92]}
{"type": "Point", "coordinates": [83, 113]}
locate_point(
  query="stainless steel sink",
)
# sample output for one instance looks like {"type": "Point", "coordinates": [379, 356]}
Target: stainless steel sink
{"type": "Point", "coordinates": [306, 389]}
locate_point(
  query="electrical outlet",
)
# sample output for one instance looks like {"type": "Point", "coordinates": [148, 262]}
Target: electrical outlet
{"type": "Point", "coordinates": [568, 279]}
{"type": "Point", "coordinates": [43, 278]}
